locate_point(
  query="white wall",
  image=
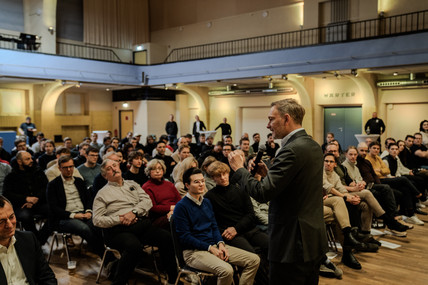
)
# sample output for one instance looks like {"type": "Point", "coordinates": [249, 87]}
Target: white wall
{"type": "Point", "coordinates": [403, 110]}
{"type": "Point", "coordinates": [157, 116]}
{"type": "Point", "coordinates": [150, 117]}
{"type": "Point", "coordinates": [237, 109]}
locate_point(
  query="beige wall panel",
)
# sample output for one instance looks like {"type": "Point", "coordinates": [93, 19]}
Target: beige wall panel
{"type": "Point", "coordinates": [166, 13]}
{"type": "Point", "coordinates": [404, 119]}
{"type": "Point", "coordinates": [76, 133]}
{"type": "Point", "coordinates": [277, 20]}
{"type": "Point", "coordinates": [101, 120]}
{"type": "Point", "coordinates": [157, 116]}
{"type": "Point", "coordinates": [396, 7]}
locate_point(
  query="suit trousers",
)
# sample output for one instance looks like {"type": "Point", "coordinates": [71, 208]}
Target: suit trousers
{"type": "Point", "coordinates": [296, 273]}
{"type": "Point", "coordinates": [204, 260]}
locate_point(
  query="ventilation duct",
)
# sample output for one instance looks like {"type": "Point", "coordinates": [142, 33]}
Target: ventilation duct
{"type": "Point", "coordinates": [402, 83]}
{"type": "Point", "coordinates": [285, 90]}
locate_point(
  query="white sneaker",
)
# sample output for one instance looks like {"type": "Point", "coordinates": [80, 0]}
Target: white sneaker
{"type": "Point", "coordinates": [420, 205]}
{"type": "Point", "coordinates": [425, 203]}
{"type": "Point", "coordinates": [413, 220]}
{"type": "Point", "coordinates": [395, 233]}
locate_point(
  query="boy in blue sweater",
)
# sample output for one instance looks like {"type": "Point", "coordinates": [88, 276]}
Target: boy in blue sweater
{"type": "Point", "coordinates": [203, 246]}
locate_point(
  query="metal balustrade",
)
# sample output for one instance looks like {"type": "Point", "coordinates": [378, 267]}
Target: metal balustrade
{"type": "Point", "coordinates": [333, 33]}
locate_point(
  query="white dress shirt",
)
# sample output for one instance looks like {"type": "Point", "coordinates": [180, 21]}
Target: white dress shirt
{"type": "Point", "coordinates": [12, 267]}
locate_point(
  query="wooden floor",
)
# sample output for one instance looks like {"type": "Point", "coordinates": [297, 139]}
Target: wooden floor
{"type": "Point", "coordinates": [407, 264]}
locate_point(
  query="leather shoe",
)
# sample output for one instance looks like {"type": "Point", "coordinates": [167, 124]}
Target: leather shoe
{"type": "Point", "coordinates": [357, 235]}
{"type": "Point", "coordinates": [350, 260]}
{"type": "Point", "coordinates": [367, 247]}
{"type": "Point", "coordinates": [350, 241]}
{"type": "Point", "coordinates": [371, 239]}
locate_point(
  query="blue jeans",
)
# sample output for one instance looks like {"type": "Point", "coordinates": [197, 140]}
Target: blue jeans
{"type": "Point", "coordinates": [86, 230]}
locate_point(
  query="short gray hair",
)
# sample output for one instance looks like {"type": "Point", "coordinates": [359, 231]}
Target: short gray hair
{"type": "Point", "coordinates": [108, 154]}
{"type": "Point", "coordinates": [103, 166]}
{"type": "Point", "coordinates": [152, 165]}
{"type": "Point", "coordinates": [290, 107]}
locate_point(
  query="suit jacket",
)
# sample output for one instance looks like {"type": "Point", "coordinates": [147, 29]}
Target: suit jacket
{"type": "Point", "coordinates": [33, 261]}
{"type": "Point", "coordinates": [201, 127]}
{"type": "Point", "coordinates": [57, 199]}
{"type": "Point", "coordinates": [293, 186]}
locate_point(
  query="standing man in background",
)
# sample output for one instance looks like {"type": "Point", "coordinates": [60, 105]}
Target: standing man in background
{"type": "Point", "coordinates": [297, 237]}
{"type": "Point", "coordinates": [171, 129]}
{"type": "Point", "coordinates": [198, 126]}
{"type": "Point", "coordinates": [225, 128]}
{"type": "Point", "coordinates": [28, 128]}
{"type": "Point", "coordinates": [375, 126]}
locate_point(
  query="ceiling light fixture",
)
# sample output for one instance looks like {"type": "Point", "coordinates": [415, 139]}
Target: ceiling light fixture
{"type": "Point", "coordinates": [395, 73]}
{"type": "Point", "coordinates": [125, 105]}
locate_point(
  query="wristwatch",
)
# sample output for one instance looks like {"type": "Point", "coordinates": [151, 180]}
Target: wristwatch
{"type": "Point", "coordinates": [135, 212]}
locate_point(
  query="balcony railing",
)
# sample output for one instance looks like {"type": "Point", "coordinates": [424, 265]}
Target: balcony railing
{"type": "Point", "coordinates": [333, 33]}
{"type": "Point", "coordinates": [88, 52]}
{"type": "Point", "coordinates": [65, 49]}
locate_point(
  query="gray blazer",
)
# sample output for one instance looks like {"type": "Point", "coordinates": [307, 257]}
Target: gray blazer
{"type": "Point", "coordinates": [293, 186]}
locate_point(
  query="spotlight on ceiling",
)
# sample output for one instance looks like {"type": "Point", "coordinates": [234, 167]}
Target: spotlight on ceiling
{"type": "Point", "coordinates": [125, 105]}
{"type": "Point", "coordinates": [395, 73]}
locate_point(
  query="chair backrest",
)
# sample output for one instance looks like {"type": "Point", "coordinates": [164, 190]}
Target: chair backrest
{"type": "Point", "coordinates": [177, 247]}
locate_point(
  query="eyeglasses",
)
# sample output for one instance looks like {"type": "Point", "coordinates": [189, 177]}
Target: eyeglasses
{"type": "Point", "coordinates": [67, 167]}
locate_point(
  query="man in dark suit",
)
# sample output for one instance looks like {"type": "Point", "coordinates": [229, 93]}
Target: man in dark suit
{"type": "Point", "coordinates": [297, 237]}
{"type": "Point", "coordinates": [26, 261]}
{"type": "Point", "coordinates": [70, 206]}
{"type": "Point", "coordinates": [198, 126]}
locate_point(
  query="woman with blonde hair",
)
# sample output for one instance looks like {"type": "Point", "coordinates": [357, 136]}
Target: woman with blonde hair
{"type": "Point", "coordinates": [209, 182]}
{"type": "Point", "coordinates": [187, 163]}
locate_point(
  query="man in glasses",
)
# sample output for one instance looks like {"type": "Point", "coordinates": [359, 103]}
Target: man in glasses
{"type": "Point", "coordinates": [70, 206]}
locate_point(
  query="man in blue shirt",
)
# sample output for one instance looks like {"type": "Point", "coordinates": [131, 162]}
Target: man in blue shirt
{"type": "Point", "coordinates": [203, 246]}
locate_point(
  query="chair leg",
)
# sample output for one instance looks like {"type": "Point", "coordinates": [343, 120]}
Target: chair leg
{"type": "Point", "coordinates": [156, 265]}
{"type": "Point", "coordinates": [64, 241]}
{"type": "Point", "coordinates": [330, 238]}
{"type": "Point", "coordinates": [178, 278]}
{"type": "Point", "coordinates": [52, 243]}
{"type": "Point", "coordinates": [101, 266]}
